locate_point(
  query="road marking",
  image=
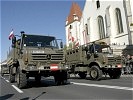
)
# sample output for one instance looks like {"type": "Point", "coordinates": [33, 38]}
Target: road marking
{"type": "Point", "coordinates": [20, 91]}
{"type": "Point", "coordinates": [127, 75]}
{"type": "Point", "coordinates": [7, 81]}
{"type": "Point", "coordinates": [104, 86]}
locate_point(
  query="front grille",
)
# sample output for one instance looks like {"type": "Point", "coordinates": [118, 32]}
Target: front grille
{"type": "Point", "coordinates": [39, 57]}
{"type": "Point", "coordinates": [51, 57]}
{"type": "Point", "coordinates": [57, 57]}
{"type": "Point", "coordinates": [113, 60]}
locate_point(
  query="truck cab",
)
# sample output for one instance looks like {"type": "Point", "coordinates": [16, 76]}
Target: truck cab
{"type": "Point", "coordinates": [36, 56]}
{"type": "Point", "coordinates": [94, 59]}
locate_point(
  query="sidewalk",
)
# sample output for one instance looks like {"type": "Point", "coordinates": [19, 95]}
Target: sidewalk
{"type": "Point", "coordinates": [124, 75]}
{"type": "Point", "coordinates": [127, 75]}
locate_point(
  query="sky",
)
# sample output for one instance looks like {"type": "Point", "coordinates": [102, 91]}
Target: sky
{"type": "Point", "coordinates": [44, 17]}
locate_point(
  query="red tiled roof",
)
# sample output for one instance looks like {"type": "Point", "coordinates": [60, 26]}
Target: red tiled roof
{"type": "Point", "coordinates": [75, 9]}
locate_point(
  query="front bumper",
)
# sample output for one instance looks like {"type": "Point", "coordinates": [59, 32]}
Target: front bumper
{"type": "Point", "coordinates": [51, 67]}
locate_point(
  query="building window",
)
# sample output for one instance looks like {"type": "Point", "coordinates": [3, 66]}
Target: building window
{"type": "Point", "coordinates": [101, 27]}
{"type": "Point", "coordinates": [86, 28]}
{"type": "Point", "coordinates": [119, 20]}
{"type": "Point", "coordinates": [70, 27]}
{"type": "Point", "coordinates": [108, 22]}
{"type": "Point", "coordinates": [98, 4]}
{"type": "Point", "coordinates": [89, 29]}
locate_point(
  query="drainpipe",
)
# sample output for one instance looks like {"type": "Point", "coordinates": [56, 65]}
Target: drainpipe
{"type": "Point", "coordinates": [128, 28]}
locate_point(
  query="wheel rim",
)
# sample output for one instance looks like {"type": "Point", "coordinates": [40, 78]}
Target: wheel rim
{"type": "Point", "coordinates": [94, 73]}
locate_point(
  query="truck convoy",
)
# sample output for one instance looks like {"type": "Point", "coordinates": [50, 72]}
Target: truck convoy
{"type": "Point", "coordinates": [36, 56]}
{"type": "Point", "coordinates": [94, 59]}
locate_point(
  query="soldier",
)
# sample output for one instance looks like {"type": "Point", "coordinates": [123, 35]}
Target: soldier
{"type": "Point", "coordinates": [124, 64]}
{"type": "Point", "coordinates": [131, 64]}
{"type": "Point", "coordinates": [128, 67]}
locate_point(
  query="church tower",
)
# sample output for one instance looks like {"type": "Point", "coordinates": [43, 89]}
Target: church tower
{"type": "Point", "coordinates": [72, 26]}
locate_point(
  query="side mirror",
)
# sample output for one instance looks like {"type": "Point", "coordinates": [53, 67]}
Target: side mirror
{"type": "Point", "coordinates": [18, 42]}
{"type": "Point", "coordinates": [95, 55]}
{"type": "Point", "coordinates": [61, 44]}
{"type": "Point", "coordinates": [14, 42]}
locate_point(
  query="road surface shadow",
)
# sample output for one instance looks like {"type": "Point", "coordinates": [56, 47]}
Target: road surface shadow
{"type": "Point", "coordinates": [35, 98]}
{"type": "Point", "coordinates": [89, 78]}
{"type": "Point", "coordinates": [43, 83]}
{"type": "Point", "coordinates": [6, 97]}
{"type": "Point", "coordinates": [26, 98]}
{"type": "Point", "coordinates": [38, 96]}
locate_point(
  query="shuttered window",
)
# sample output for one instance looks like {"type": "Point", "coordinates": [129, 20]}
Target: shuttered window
{"type": "Point", "coordinates": [119, 20]}
{"type": "Point", "coordinates": [98, 4]}
{"type": "Point", "coordinates": [101, 27]}
{"type": "Point", "coordinates": [108, 22]}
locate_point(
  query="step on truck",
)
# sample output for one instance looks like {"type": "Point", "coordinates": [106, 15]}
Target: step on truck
{"type": "Point", "coordinates": [94, 59]}
{"type": "Point", "coordinates": [36, 56]}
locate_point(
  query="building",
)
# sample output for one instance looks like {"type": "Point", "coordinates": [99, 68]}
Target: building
{"type": "Point", "coordinates": [72, 25]}
{"type": "Point", "coordinates": [106, 21]}
{"type": "Point", "coordinates": [129, 13]}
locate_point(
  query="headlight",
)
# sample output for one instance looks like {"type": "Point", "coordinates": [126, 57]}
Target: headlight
{"type": "Point", "coordinates": [66, 66]}
{"type": "Point", "coordinates": [31, 67]}
{"type": "Point", "coordinates": [119, 65]}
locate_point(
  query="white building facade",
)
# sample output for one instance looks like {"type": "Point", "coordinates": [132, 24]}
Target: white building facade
{"type": "Point", "coordinates": [73, 26]}
{"type": "Point", "coordinates": [106, 21]}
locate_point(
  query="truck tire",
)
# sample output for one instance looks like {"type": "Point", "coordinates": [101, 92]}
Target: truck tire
{"type": "Point", "coordinates": [38, 78]}
{"type": "Point", "coordinates": [68, 75]}
{"type": "Point", "coordinates": [11, 77]}
{"type": "Point", "coordinates": [82, 75]}
{"type": "Point", "coordinates": [64, 78]}
{"type": "Point", "coordinates": [115, 74]}
{"type": "Point", "coordinates": [21, 79]}
{"type": "Point", "coordinates": [2, 74]}
{"type": "Point", "coordinates": [60, 78]}
{"type": "Point", "coordinates": [95, 73]}
{"type": "Point", "coordinates": [57, 79]}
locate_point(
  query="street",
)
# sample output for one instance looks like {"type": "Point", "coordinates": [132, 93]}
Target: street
{"type": "Point", "coordinates": [112, 89]}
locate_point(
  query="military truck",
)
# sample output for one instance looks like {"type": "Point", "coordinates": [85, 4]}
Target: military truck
{"type": "Point", "coordinates": [4, 69]}
{"type": "Point", "coordinates": [95, 59]}
{"type": "Point", "coordinates": [36, 56]}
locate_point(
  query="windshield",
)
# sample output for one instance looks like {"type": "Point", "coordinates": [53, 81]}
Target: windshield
{"type": "Point", "coordinates": [40, 41]}
{"type": "Point", "coordinates": [103, 48]}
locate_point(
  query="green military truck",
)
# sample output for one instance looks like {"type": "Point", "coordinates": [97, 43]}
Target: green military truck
{"type": "Point", "coordinates": [4, 69]}
{"type": "Point", "coordinates": [94, 59]}
{"type": "Point", "coordinates": [36, 56]}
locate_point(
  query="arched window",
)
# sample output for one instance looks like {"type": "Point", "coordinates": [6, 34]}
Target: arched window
{"type": "Point", "coordinates": [107, 22]}
{"type": "Point", "coordinates": [101, 27]}
{"type": "Point", "coordinates": [86, 28]}
{"type": "Point", "coordinates": [119, 20]}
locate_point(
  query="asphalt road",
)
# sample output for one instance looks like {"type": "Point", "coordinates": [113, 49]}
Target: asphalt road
{"type": "Point", "coordinates": [106, 89]}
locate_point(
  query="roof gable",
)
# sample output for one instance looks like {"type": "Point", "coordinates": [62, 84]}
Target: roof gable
{"type": "Point", "coordinates": [75, 11]}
